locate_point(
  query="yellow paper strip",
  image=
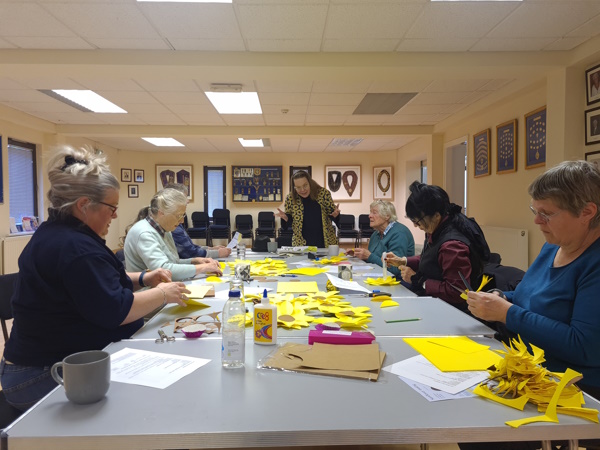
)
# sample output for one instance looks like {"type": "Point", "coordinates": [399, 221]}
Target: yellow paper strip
{"type": "Point", "coordinates": [388, 303]}
{"type": "Point", "coordinates": [309, 271]}
{"type": "Point", "coordinates": [517, 403]}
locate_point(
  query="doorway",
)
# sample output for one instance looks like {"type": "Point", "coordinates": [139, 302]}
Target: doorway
{"type": "Point", "coordinates": [456, 171]}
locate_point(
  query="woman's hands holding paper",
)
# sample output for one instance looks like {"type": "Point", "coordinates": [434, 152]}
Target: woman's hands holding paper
{"type": "Point", "coordinates": [487, 306]}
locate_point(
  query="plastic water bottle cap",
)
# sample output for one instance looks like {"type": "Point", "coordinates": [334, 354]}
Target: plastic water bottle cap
{"type": "Point", "coordinates": [234, 293]}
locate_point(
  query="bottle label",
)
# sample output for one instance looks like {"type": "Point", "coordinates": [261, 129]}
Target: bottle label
{"type": "Point", "coordinates": [263, 325]}
{"type": "Point", "coordinates": [233, 347]}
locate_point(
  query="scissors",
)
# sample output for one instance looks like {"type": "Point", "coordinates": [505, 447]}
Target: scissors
{"type": "Point", "coordinates": [373, 294]}
{"type": "Point", "coordinates": [163, 338]}
{"type": "Point", "coordinates": [464, 280]}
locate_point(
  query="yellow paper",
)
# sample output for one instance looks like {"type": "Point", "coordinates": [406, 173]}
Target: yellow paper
{"type": "Point", "coordinates": [584, 413]}
{"type": "Point", "coordinates": [388, 303]}
{"type": "Point", "coordinates": [387, 281]}
{"type": "Point", "coordinates": [297, 287]}
{"type": "Point", "coordinates": [197, 290]}
{"type": "Point", "coordinates": [214, 279]}
{"type": "Point", "coordinates": [309, 271]}
{"type": "Point", "coordinates": [460, 343]}
{"type": "Point", "coordinates": [517, 403]}
{"type": "Point", "coordinates": [448, 359]}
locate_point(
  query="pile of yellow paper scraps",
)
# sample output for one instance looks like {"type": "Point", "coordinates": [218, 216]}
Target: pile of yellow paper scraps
{"type": "Point", "coordinates": [387, 281]}
{"type": "Point", "coordinates": [522, 379]}
{"type": "Point", "coordinates": [264, 267]}
{"type": "Point", "coordinates": [331, 260]}
{"type": "Point", "coordinates": [292, 311]}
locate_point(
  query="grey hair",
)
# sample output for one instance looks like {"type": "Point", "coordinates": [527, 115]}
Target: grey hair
{"type": "Point", "coordinates": [167, 200]}
{"type": "Point", "coordinates": [180, 187]}
{"type": "Point", "coordinates": [571, 185]}
{"type": "Point", "coordinates": [75, 173]}
{"type": "Point", "coordinates": [386, 209]}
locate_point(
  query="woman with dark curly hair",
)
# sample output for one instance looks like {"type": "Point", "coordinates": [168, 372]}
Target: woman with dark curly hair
{"type": "Point", "coordinates": [453, 244]}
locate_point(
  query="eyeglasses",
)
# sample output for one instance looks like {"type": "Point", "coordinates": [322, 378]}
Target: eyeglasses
{"type": "Point", "coordinates": [180, 216]}
{"type": "Point", "coordinates": [113, 208]}
{"type": "Point", "coordinates": [304, 187]}
{"type": "Point", "coordinates": [545, 217]}
{"type": "Point", "coordinates": [416, 222]}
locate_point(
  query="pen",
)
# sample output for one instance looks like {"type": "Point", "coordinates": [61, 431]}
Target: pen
{"type": "Point", "coordinates": [403, 320]}
{"type": "Point", "coordinates": [288, 275]}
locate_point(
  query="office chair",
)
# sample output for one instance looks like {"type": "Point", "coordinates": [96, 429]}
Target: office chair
{"type": "Point", "coordinates": [364, 227]}
{"type": "Point", "coordinates": [221, 226]}
{"type": "Point", "coordinates": [199, 228]}
{"type": "Point", "coordinates": [244, 225]}
{"type": "Point", "coordinates": [346, 228]}
{"type": "Point", "coordinates": [266, 224]}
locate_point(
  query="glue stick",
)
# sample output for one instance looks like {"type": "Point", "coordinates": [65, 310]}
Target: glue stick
{"type": "Point", "coordinates": [265, 322]}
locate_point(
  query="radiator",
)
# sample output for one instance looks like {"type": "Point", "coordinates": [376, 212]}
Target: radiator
{"type": "Point", "coordinates": [512, 244]}
{"type": "Point", "coordinates": [11, 250]}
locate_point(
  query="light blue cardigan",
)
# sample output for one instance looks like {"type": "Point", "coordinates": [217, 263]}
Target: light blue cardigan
{"type": "Point", "coordinates": [145, 249]}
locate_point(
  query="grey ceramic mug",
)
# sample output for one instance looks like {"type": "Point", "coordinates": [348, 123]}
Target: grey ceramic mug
{"type": "Point", "coordinates": [272, 246]}
{"type": "Point", "coordinates": [86, 376]}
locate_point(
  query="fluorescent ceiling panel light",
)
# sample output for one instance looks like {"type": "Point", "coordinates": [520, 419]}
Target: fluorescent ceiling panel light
{"type": "Point", "coordinates": [251, 142]}
{"type": "Point", "coordinates": [343, 142]}
{"type": "Point", "coordinates": [163, 142]}
{"type": "Point", "coordinates": [235, 102]}
{"type": "Point", "coordinates": [89, 100]}
{"type": "Point", "coordinates": [188, 1]}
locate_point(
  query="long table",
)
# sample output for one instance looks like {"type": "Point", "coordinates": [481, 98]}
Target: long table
{"type": "Point", "coordinates": [217, 408]}
{"type": "Point", "coordinates": [250, 407]}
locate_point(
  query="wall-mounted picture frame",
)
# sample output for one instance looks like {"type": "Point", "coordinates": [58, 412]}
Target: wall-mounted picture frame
{"type": "Point", "coordinates": [294, 169]}
{"type": "Point", "coordinates": [170, 173]}
{"type": "Point", "coordinates": [594, 158]}
{"type": "Point", "coordinates": [126, 175]}
{"type": "Point", "coordinates": [506, 147]}
{"type": "Point", "coordinates": [138, 176]}
{"type": "Point", "coordinates": [535, 138]}
{"type": "Point", "coordinates": [257, 184]}
{"type": "Point", "coordinates": [592, 126]}
{"type": "Point", "coordinates": [383, 183]}
{"type": "Point", "coordinates": [482, 148]}
{"type": "Point", "coordinates": [344, 183]}
{"type": "Point", "coordinates": [592, 84]}
{"type": "Point", "coordinates": [133, 191]}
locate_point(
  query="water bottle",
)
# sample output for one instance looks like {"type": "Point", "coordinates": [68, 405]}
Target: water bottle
{"type": "Point", "coordinates": [237, 284]}
{"type": "Point", "coordinates": [241, 251]}
{"type": "Point", "coordinates": [233, 347]}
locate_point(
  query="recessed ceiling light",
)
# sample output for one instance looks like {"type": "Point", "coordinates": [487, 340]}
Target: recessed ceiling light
{"type": "Point", "coordinates": [84, 100]}
{"type": "Point", "coordinates": [254, 142]}
{"type": "Point", "coordinates": [235, 102]}
{"type": "Point", "coordinates": [163, 142]}
{"type": "Point", "coordinates": [188, 1]}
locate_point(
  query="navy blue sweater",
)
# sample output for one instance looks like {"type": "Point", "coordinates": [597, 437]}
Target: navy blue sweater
{"type": "Point", "coordinates": [72, 294]}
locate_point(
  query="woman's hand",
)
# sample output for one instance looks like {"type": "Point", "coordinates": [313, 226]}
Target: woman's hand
{"type": "Point", "coordinates": [199, 260]}
{"type": "Point", "coordinates": [486, 306]}
{"type": "Point", "coordinates": [212, 267]}
{"type": "Point", "coordinates": [224, 252]}
{"type": "Point", "coordinates": [362, 253]}
{"type": "Point", "coordinates": [336, 211]}
{"type": "Point", "coordinates": [281, 214]}
{"type": "Point", "coordinates": [156, 276]}
{"type": "Point", "coordinates": [396, 261]}
{"type": "Point", "coordinates": [174, 292]}
{"type": "Point", "coordinates": [407, 273]}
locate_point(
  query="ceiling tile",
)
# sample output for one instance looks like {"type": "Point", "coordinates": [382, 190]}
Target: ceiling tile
{"type": "Point", "coordinates": [326, 119]}
{"type": "Point", "coordinates": [589, 29]}
{"type": "Point", "coordinates": [279, 21]}
{"type": "Point", "coordinates": [432, 98]}
{"type": "Point", "coordinates": [330, 110]}
{"type": "Point", "coordinates": [317, 99]}
{"type": "Point", "coordinates": [565, 44]}
{"type": "Point", "coordinates": [341, 87]}
{"type": "Point", "coordinates": [284, 119]}
{"type": "Point", "coordinates": [182, 98]}
{"type": "Point", "coordinates": [243, 119]}
{"type": "Point", "coordinates": [291, 110]}
{"type": "Point", "coordinates": [144, 108]}
{"type": "Point", "coordinates": [109, 84]}
{"type": "Point", "coordinates": [511, 45]}
{"type": "Point", "coordinates": [5, 44]}
{"type": "Point", "coordinates": [201, 119]}
{"type": "Point", "coordinates": [168, 85]}
{"type": "Point", "coordinates": [7, 83]}
{"type": "Point", "coordinates": [292, 99]}
{"type": "Point", "coordinates": [160, 119]}
{"type": "Point", "coordinates": [316, 145]}
{"type": "Point", "coordinates": [441, 44]}
{"type": "Point", "coordinates": [129, 44]}
{"type": "Point", "coordinates": [193, 109]}
{"type": "Point", "coordinates": [284, 45]}
{"type": "Point", "coordinates": [383, 87]}
{"type": "Point", "coordinates": [283, 87]}
{"type": "Point", "coordinates": [285, 144]}
{"type": "Point", "coordinates": [14, 16]}
{"type": "Point", "coordinates": [446, 85]}
{"type": "Point", "coordinates": [209, 45]}
{"type": "Point", "coordinates": [50, 43]}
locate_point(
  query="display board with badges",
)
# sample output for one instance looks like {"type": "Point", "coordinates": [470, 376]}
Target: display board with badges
{"type": "Point", "coordinates": [257, 183]}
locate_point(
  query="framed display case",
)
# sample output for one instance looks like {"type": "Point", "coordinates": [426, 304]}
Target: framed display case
{"type": "Point", "coordinates": [257, 184]}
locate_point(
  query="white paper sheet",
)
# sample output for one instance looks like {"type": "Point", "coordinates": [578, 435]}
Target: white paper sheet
{"type": "Point", "coordinates": [234, 240]}
{"type": "Point", "coordinates": [152, 369]}
{"type": "Point", "coordinates": [419, 369]}
{"type": "Point", "coordinates": [435, 395]}
{"type": "Point", "coordinates": [346, 285]}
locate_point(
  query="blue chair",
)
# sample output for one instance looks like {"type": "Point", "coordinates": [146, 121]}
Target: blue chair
{"type": "Point", "coordinates": [199, 230]}
{"type": "Point", "coordinates": [221, 226]}
{"type": "Point", "coordinates": [266, 224]}
{"type": "Point", "coordinates": [364, 228]}
{"type": "Point", "coordinates": [346, 228]}
{"type": "Point", "coordinates": [244, 225]}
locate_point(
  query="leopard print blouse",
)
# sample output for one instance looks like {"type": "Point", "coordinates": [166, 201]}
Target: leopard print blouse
{"type": "Point", "coordinates": [296, 210]}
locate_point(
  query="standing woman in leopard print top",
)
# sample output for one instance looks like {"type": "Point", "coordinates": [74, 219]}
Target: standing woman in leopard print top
{"type": "Point", "coordinates": [311, 210]}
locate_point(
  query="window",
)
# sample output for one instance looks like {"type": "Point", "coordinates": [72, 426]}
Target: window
{"type": "Point", "coordinates": [214, 189]}
{"type": "Point", "coordinates": [22, 185]}
{"type": "Point", "coordinates": [424, 171]}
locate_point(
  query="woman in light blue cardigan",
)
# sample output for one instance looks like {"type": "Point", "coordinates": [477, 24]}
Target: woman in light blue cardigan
{"type": "Point", "coordinates": [389, 236]}
{"type": "Point", "coordinates": [149, 243]}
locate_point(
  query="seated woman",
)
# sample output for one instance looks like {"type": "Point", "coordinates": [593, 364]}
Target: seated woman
{"type": "Point", "coordinates": [312, 211]}
{"type": "Point", "coordinates": [389, 236]}
{"type": "Point", "coordinates": [555, 307]}
{"type": "Point", "coordinates": [149, 243]}
{"type": "Point", "coordinates": [453, 244]}
{"type": "Point", "coordinates": [72, 293]}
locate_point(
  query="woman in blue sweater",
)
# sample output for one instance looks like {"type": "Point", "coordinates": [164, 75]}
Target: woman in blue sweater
{"type": "Point", "coordinates": [389, 236]}
{"type": "Point", "coordinates": [555, 307]}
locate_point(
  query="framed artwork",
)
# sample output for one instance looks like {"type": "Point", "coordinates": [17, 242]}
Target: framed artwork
{"type": "Point", "coordinates": [133, 191]}
{"type": "Point", "coordinates": [294, 169]}
{"type": "Point", "coordinates": [126, 175]}
{"type": "Point", "coordinates": [594, 158]}
{"type": "Point", "coordinates": [535, 138]}
{"type": "Point", "coordinates": [257, 184]}
{"type": "Point", "coordinates": [592, 126]}
{"type": "Point", "coordinates": [1, 180]}
{"type": "Point", "coordinates": [482, 150]}
{"type": "Point", "coordinates": [506, 143]}
{"type": "Point", "coordinates": [383, 186]}
{"type": "Point", "coordinates": [138, 176]}
{"type": "Point", "coordinates": [182, 174]}
{"type": "Point", "coordinates": [592, 84]}
{"type": "Point", "coordinates": [343, 182]}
